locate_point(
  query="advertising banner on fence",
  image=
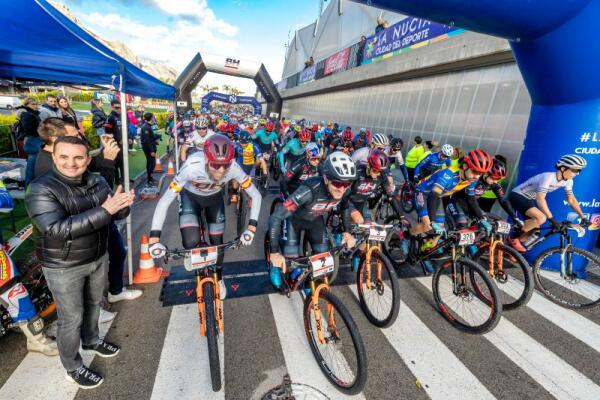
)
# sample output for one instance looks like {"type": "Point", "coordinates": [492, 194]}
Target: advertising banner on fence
{"type": "Point", "coordinates": [337, 62]}
{"type": "Point", "coordinates": [308, 74]}
{"type": "Point", "coordinates": [405, 36]}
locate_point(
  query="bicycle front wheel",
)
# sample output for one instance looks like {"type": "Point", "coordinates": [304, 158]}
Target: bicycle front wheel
{"type": "Point", "coordinates": [466, 296]}
{"type": "Point", "coordinates": [342, 356]}
{"type": "Point", "coordinates": [381, 301]}
{"type": "Point", "coordinates": [212, 336]}
{"type": "Point", "coordinates": [515, 280]}
{"type": "Point", "coordinates": [578, 287]}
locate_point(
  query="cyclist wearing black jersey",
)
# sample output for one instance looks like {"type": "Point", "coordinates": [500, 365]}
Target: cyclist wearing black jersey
{"type": "Point", "coordinates": [302, 169]}
{"type": "Point", "coordinates": [463, 204]}
{"type": "Point", "coordinates": [372, 180]}
{"type": "Point", "coordinates": [307, 206]}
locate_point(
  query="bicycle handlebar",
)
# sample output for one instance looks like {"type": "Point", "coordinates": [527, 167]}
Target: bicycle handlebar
{"type": "Point", "coordinates": [158, 250]}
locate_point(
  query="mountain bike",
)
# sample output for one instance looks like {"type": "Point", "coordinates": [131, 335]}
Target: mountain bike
{"type": "Point", "coordinates": [331, 332]}
{"type": "Point", "coordinates": [506, 266]}
{"type": "Point", "coordinates": [463, 291]}
{"type": "Point", "coordinates": [203, 262]}
{"type": "Point", "coordinates": [567, 275]}
{"type": "Point", "coordinates": [377, 284]}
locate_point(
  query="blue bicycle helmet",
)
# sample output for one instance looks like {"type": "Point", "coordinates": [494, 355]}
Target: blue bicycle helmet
{"type": "Point", "coordinates": [313, 150]}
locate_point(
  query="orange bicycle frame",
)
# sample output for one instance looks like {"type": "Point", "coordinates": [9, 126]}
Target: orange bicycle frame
{"type": "Point", "coordinates": [315, 290]}
{"type": "Point", "coordinates": [492, 253]}
{"type": "Point", "coordinates": [201, 302]}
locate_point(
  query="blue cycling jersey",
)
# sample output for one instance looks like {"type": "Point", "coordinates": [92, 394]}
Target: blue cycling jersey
{"type": "Point", "coordinates": [447, 180]}
{"type": "Point", "coordinates": [431, 164]}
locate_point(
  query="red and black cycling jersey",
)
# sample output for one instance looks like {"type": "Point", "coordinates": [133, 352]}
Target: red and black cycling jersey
{"type": "Point", "coordinates": [467, 198]}
{"type": "Point", "coordinates": [309, 202]}
{"type": "Point", "coordinates": [297, 173]}
{"type": "Point", "coordinates": [365, 187]}
{"type": "Point", "coordinates": [344, 146]}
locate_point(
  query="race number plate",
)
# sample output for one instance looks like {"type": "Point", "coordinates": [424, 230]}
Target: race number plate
{"type": "Point", "coordinates": [466, 237]}
{"type": "Point", "coordinates": [203, 257]}
{"type": "Point", "coordinates": [503, 227]}
{"type": "Point", "coordinates": [322, 264]}
{"type": "Point", "coordinates": [377, 233]}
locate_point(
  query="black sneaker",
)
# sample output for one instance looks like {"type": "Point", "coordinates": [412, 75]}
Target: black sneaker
{"type": "Point", "coordinates": [103, 349]}
{"type": "Point", "coordinates": [85, 378]}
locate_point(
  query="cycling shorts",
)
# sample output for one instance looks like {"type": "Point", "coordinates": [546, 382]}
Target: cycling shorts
{"type": "Point", "coordinates": [314, 231]}
{"type": "Point", "coordinates": [521, 203]}
{"type": "Point", "coordinates": [190, 209]}
{"type": "Point", "coordinates": [248, 169]}
{"type": "Point", "coordinates": [421, 207]}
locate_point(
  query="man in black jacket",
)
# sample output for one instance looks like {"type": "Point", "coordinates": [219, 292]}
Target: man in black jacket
{"type": "Point", "coordinates": [113, 127]}
{"type": "Point", "coordinates": [72, 211]}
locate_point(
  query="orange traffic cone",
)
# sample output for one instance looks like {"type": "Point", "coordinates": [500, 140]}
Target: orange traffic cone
{"type": "Point", "coordinates": [170, 168]}
{"type": "Point", "coordinates": [158, 166]}
{"type": "Point", "coordinates": [147, 271]}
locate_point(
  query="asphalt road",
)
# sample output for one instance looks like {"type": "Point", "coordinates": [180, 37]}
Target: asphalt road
{"type": "Point", "coordinates": [537, 352]}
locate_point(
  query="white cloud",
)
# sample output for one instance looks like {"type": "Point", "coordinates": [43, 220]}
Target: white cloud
{"type": "Point", "coordinates": [177, 44]}
{"type": "Point", "coordinates": [197, 11]}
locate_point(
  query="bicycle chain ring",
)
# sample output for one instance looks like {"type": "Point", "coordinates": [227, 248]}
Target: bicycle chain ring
{"type": "Point", "coordinates": [294, 391]}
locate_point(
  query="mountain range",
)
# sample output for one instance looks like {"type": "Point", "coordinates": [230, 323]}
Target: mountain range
{"type": "Point", "coordinates": [155, 68]}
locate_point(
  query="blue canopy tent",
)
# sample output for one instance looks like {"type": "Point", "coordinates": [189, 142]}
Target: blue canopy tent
{"type": "Point", "coordinates": [38, 43]}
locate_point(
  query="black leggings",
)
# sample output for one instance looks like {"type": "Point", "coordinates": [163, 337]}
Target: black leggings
{"type": "Point", "coordinates": [150, 164]}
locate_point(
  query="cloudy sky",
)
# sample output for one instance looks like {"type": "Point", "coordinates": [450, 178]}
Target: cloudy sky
{"type": "Point", "coordinates": [175, 30]}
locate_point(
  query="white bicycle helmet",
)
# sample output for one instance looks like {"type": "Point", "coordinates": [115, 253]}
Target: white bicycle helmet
{"type": "Point", "coordinates": [447, 150]}
{"type": "Point", "coordinates": [339, 167]}
{"type": "Point", "coordinates": [572, 161]}
{"type": "Point", "coordinates": [201, 122]}
{"type": "Point", "coordinates": [380, 140]}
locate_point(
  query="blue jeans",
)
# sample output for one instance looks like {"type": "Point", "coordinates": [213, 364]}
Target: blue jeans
{"type": "Point", "coordinates": [77, 293]}
{"type": "Point", "coordinates": [32, 147]}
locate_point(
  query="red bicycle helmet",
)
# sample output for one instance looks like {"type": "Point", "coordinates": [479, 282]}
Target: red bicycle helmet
{"type": "Point", "coordinates": [218, 149]}
{"type": "Point", "coordinates": [314, 127]}
{"type": "Point", "coordinates": [305, 135]}
{"type": "Point", "coordinates": [378, 161]}
{"type": "Point", "coordinates": [270, 126]}
{"type": "Point", "coordinates": [479, 161]}
{"type": "Point", "coordinates": [498, 170]}
{"type": "Point", "coordinates": [347, 135]}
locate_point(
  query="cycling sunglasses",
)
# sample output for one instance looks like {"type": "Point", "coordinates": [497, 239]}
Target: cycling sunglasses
{"type": "Point", "coordinates": [575, 171]}
{"type": "Point", "coordinates": [217, 166]}
{"type": "Point", "coordinates": [341, 184]}
{"type": "Point", "coordinates": [203, 128]}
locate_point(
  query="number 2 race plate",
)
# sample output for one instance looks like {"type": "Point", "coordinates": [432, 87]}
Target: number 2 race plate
{"type": "Point", "coordinates": [322, 264]}
{"type": "Point", "coordinates": [377, 233]}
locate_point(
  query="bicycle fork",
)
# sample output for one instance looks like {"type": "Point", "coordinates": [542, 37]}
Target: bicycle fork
{"type": "Point", "coordinates": [369, 252]}
{"type": "Point", "coordinates": [315, 290]}
{"type": "Point", "coordinates": [499, 259]}
{"type": "Point", "coordinates": [200, 299]}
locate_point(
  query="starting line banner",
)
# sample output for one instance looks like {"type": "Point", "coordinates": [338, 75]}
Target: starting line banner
{"type": "Point", "coordinates": [404, 36]}
{"type": "Point", "coordinates": [231, 99]}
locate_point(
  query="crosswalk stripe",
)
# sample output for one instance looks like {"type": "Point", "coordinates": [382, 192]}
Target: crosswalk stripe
{"type": "Point", "coordinates": [555, 375]}
{"type": "Point", "coordinates": [441, 373]}
{"type": "Point", "coordinates": [301, 364]}
{"type": "Point", "coordinates": [569, 321]}
{"type": "Point", "coordinates": [183, 371]}
{"type": "Point", "coordinates": [582, 288]}
{"type": "Point", "coordinates": [39, 376]}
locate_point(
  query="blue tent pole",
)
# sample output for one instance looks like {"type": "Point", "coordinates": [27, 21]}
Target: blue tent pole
{"type": "Point", "coordinates": [126, 186]}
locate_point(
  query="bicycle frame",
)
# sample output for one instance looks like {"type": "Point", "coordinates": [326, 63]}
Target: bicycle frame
{"type": "Point", "coordinates": [566, 269]}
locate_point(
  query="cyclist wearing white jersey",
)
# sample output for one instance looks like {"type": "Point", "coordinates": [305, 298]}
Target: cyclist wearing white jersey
{"type": "Point", "coordinates": [380, 142]}
{"type": "Point", "coordinates": [200, 183]}
{"type": "Point", "coordinates": [529, 198]}
{"type": "Point", "coordinates": [195, 141]}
